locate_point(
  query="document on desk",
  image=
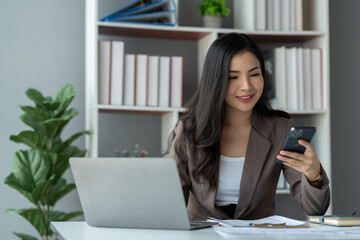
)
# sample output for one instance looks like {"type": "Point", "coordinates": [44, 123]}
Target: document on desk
{"type": "Point", "coordinates": [277, 225]}
{"type": "Point", "coordinates": [272, 221]}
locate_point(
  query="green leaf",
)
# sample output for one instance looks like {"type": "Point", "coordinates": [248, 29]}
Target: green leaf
{"type": "Point", "coordinates": [59, 190]}
{"type": "Point", "coordinates": [35, 96]}
{"type": "Point", "coordinates": [72, 112]}
{"type": "Point", "coordinates": [32, 139]}
{"type": "Point", "coordinates": [71, 139]}
{"type": "Point", "coordinates": [36, 113]}
{"type": "Point", "coordinates": [64, 96]}
{"type": "Point", "coordinates": [54, 127]}
{"type": "Point", "coordinates": [35, 124]}
{"type": "Point", "coordinates": [31, 167]}
{"type": "Point", "coordinates": [33, 216]}
{"type": "Point", "coordinates": [14, 183]}
{"type": "Point", "coordinates": [24, 236]}
{"type": "Point", "coordinates": [61, 216]}
{"type": "Point", "coordinates": [50, 105]}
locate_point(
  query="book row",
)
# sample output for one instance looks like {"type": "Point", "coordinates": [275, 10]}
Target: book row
{"type": "Point", "coordinates": [276, 15]}
{"type": "Point", "coordinates": [159, 12]}
{"type": "Point", "coordinates": [138, 79]}
{"type": "Point", "coordinates": [296, 78]}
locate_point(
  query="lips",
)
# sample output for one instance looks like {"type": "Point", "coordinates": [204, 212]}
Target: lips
{"type": "Point", "coordinates": [245, 98]}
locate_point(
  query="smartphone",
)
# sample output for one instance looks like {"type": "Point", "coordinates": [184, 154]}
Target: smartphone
{"type": "Point", "coordinates": [296, 133]}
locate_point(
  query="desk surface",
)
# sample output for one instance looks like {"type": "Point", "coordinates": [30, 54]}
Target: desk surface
{"type": "Point", "coordinates": [82, 231]}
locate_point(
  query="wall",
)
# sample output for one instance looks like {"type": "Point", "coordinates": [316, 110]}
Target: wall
{"type": "Point", "coordinates": [345, 114]}
{"type": "Point", "coordinates": [41, 46]}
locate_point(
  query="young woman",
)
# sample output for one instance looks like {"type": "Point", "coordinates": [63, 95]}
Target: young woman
{"type": "Point", "coordinates": [227, 143]}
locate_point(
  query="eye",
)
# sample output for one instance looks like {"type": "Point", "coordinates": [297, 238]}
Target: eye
{"type": "Point", "coordinates": [255, 75]}
{"type": "Point", "coordinates": [232, 77]}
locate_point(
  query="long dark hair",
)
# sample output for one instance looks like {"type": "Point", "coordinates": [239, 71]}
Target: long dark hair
{"type": "Point", "coordinates": [204, 119]}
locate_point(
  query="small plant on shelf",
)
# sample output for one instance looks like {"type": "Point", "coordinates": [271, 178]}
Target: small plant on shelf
{"type": "Point", "coordinates": [213, 7]}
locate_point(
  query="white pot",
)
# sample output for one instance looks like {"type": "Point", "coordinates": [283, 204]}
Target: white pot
{"type": "Point", "coordinates": [212, 21]}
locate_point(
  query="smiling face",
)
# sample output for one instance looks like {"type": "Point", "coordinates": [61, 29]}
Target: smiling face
{"type": "Point", "coordinates": [246, 82]}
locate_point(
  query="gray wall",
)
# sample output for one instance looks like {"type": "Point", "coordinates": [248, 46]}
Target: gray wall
{"type": "Point", "coordinates": [345, 109]}
{"type": "Point", "coordinates": [41, 46]}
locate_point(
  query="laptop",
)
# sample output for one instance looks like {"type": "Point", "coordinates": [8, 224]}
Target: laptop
{"type": "Point", "coordinates": [132, 193]}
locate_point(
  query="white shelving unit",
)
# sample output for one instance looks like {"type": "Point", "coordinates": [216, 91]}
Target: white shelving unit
{"type": "Point", "coordinates": [316, 35]}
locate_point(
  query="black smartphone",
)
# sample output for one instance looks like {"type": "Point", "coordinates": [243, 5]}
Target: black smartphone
{"type": "Point", "coordinates": [296, 133]}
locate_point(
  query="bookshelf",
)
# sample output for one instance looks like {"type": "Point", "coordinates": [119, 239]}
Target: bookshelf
{"type": "Point", "coordinates": [192, 43]}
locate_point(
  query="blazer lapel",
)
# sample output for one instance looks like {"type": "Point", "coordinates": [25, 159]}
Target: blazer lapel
{"type": "Point", "coordinates": [256, 154]}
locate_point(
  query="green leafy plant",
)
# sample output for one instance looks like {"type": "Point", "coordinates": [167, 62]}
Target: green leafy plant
{"type": "Point", "coordinates": [213, 7]}
{"type": "Point", "coordinates": [37, 172]}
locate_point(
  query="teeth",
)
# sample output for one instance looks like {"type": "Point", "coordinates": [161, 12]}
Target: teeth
{"type": "Point", "coordinates": [245, 97]}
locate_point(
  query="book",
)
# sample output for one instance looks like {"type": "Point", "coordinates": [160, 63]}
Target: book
{"type": "Point", "coordinates": [285, 15]}
{"type": "Point", "coordinates": [130, 79]}
{"type": "Point", "coordinates": [307, 78]}
{"type": "Point", "coordinates": [164, 82]}
{"type": "Point", "coordinates": [317, 91]}
{"type": "Point", "coordinates": [280, 76]}
{"type": "Point", "coordinates": [260, 14]}
{"type": "Point", "coordinates": [124, 8]}
{"type": "Point", "coordinates": [336, 220]}
{"type": "Point", "coordinates": [161, 12]}
{"type": "Point", "coordinates": [245, 14]}
{"type": "Point", "coordinates": [141, 79]}
{"type": "Point", "coordinates": [153, 81]}
{"type": "Point", "coordinates": [300, 77]}
{"type": "Point", "coordinates": [176, 81]}
{"type": "Point", "coordinates": [291, 79]}
{"type": "Point", "coordinates": [104, 71]}
{"type": "Point", "coordinates": [117, 72]}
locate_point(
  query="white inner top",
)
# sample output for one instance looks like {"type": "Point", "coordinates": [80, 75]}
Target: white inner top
{"type": "Point", "coordinates": [231, 169]}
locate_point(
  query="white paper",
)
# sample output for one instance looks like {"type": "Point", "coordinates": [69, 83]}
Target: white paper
{"type": "Point", "coordinates": [275, 219]}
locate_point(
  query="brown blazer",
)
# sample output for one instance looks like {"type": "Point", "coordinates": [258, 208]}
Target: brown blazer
{"type": "Point", "coordinates": [259, 180]}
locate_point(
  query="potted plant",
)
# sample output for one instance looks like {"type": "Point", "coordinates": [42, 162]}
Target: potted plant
{"type": "Point", "coordinates": [37, 172]}
{"type": "Point", "coordinates": [212, 12]}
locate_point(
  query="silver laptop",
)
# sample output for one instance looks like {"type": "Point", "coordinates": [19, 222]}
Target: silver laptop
{"type": "Point", "coordinates": [132, 193]}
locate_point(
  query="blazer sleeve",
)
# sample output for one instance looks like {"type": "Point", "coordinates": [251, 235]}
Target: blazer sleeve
{"type": "Point", "coordinates": [312, 201]}
{"type": "Point", "coordinates": [180, 154]}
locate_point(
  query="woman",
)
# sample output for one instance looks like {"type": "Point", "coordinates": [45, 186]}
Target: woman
{"type": "Point", "coordinates": [227, 143]}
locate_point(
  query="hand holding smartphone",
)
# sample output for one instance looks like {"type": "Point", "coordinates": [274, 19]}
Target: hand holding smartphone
{"type": "Point", "coordinates": [291, 143]}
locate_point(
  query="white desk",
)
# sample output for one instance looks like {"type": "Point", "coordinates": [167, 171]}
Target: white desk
{"type": "Point", "coordinates": [82, 231]}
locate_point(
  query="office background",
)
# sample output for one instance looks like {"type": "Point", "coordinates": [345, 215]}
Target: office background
{"type": "Point", "coordinates": [42, 46]}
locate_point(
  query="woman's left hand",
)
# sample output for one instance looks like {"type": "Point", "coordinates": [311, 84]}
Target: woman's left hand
{"type": "Point", "coordinates": [307, 163]}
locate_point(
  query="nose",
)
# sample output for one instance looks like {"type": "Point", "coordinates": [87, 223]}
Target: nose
{"type": "Point", "coordinates": [245, 83]}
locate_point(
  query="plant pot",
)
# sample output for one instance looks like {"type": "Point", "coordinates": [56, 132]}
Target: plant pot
{"type": "Point", "coordinates": [212, 21]}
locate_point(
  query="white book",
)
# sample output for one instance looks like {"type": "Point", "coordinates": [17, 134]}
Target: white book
{"type": "Point", "coordinates": [307, 78]}
{"type": "Point", "coordinates": [117, 72]}
{"type": "Point", "coordinates": [298, 15]}
{"type": "Point", "coordinates": [285, 15]}
{"type": "Point", "coordinates": [104, 72]}
{"type": "Point", "coordinates": [300, 78]}
{"type": "Point", "coordinates": [269, 14]}
{"type": "Point", "coordinates": [260, 14]}
{"type": "Point", "coordinates": [292, 15]}
{"type": "Point", "coordinates": [141, 79]}
{"type": "Point", "coordinates": [316, 62]}
{"type": "Point", "coordinates": [291, 79]}
{"type": "Point", "coordinates": [164, 82]}
{"type": "Point", "coordinates": [176, 81]}
{"type": "Point", "coordinates": [244, 14]}
{"type": "Point", "coordinates": [280, 78]}
{"type": "Point", "coordinates": [129, 79]}
{"type": "Point", "coordinates": [153, 81]}
{"type": "Point", "coordinates": [277, 15]}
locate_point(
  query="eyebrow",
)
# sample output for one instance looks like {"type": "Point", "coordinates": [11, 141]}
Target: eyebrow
{"type": "Point", "coordinates": [236, 71]}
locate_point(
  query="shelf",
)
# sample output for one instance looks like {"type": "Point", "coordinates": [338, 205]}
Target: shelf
{"type": "Point", "coordinates": [196, 33]}
{"type": "Point", "coordinates": [138, 109]}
